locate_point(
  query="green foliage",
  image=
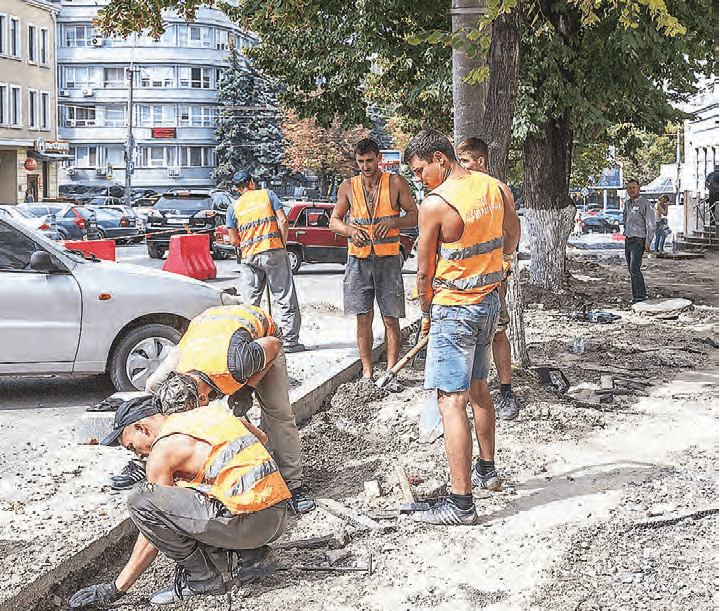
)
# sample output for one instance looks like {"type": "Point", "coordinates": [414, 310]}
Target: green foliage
{"type": "Point", "coordinates": [247, 128]}
{"type": "Point", "coordinates": [647, 153]}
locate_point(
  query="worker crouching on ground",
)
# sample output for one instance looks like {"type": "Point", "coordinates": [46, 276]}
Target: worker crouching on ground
{"type": "Point", "coordinates": [235, 351]}
{"type": "Point", "coordinates": [212, 488]}
{"type": "Point", "coordinates": [466, 223]}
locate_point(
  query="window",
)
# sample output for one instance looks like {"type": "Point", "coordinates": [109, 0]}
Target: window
{"type": "Point", "coordinates": [221, 39]}
{"type": "Point", "coordinates": [81, 77]}
{"type": "Point", "coordinates": [115, 156]}
{"type": "Point", "coordinates": [78, 35]}
{"type": "Point", "coordinates": [197, 116]}
{"type": "Point", "coordinates": [115, 115]}
{"type": "Point", "coordinates": [158, 156]}
{"type": "Point", "coordinates": [196, 156]}
{"type": "Point", "coordinates": [3, 35]}
{"type": "Point", "coordinates": [32, 44]}
{"type": "Point", "coordinates": [85, 156]}
{"type": "Point", "coordinates": [114, 78]}
{"type": "Point", "coordinates": [15, 249]}
{"type": "Point", "coordinates": [3, 104]}
{"type": "Point", "coordinates": [14, 38]}
{"type": "Point", "coordinates": [196, 78]}
{"type": "Point", "coordinates": [32, 109]}
{"type": "Point", "coordinates": [199, 36]}
{"type": "Point", "coordinates": [44, 110]}
{"type": "Point", "coordinates": [15, 106]}
{"type": "Point", "coordinates": [80, 116]}
{"type": "Point", "coordinates": [44, 48]}
{"type": "Point", "coordinates": [157, 76]}
{"type": "Point", "coordinates": [156, 116]}
{"type": "Point", "coordinates": [167, 39]}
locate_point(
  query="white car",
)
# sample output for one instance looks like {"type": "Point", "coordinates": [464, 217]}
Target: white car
{"type": "Point", "coordinates": [65, 313]}
{"type": "Point", "coordinates": [45, 224]}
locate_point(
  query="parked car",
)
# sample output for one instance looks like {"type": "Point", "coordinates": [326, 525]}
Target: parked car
{"type": "Point", "coordinates": [614, 216]}
{"type": "Point", "coordinates": [73, 222]}
{"type": "Point", "coordinates": [597, 224]}
{"type": "Point", "coordinates": [104, 200]}
{"type": "Point", "coordinates": [109, 317]}
{"type": "Point", "coordinates": [115, 223]}
{"type": "Point", "coordinates": [310, 239]}
{"type": "Point", "coordinates": [47, 225]}
{"type": "Point", "coordinates": [183, 211]}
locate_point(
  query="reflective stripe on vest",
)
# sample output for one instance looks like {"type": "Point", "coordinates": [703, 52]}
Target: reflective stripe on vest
{"type": "Point", "coordinates": [256, 223]}
{"type": "Point", "coordinates": [205, 345]}
{"type": "Point", "coordinates": [470, 268]}
{"type": "Point", "coordinates": [238, 472]}
{"type": "Point", "coordinates": [360, 217]}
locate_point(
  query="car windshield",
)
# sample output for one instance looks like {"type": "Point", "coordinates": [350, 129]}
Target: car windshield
{"type": "Point", "coordinates": [190, 201]}
{"type": "Point", "coordinates": [97, 201]}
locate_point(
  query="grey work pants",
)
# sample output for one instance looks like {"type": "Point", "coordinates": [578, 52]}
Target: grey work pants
{"type": "Point", "coordinates": [176, 519]}
{"type": "Point", "coordinates": [278, 421]}
{"type": "Point", "coordinates": [272, 267]}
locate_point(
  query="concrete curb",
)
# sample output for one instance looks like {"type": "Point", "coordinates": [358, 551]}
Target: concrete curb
{"type": "Point", "coordinates": [51, 591]}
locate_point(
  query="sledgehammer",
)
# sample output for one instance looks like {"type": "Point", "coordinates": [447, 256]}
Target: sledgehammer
{"type": "Point", "coordinates": [389, 375]}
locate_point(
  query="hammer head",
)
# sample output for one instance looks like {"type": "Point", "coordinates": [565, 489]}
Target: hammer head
{"type": "Point", "coordinates": [412, 507]}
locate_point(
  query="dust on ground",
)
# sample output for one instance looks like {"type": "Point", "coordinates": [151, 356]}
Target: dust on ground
{"type": "Point", "coordinates": [609, 505]}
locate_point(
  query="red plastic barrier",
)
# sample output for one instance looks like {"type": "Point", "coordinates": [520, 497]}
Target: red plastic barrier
{"type": "Point", "coordinates": [102, 249]}
{"type": "Point", "coordinates": [189, 255]}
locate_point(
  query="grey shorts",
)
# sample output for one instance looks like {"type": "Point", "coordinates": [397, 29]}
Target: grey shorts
{"type": "Point", "coordinates": [374, 278]}
{"type": "Point", "coordinates": [504, 320]}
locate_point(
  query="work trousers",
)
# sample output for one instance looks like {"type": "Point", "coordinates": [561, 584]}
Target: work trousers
{"type": "Point", "coordinates": [272, 267]}
{"type": "Point", "coordinates": [634, 249]}
{"type": "Point", "coordinates": [278, 421]}
{"type": "Point", "coordinates": [175, 520]}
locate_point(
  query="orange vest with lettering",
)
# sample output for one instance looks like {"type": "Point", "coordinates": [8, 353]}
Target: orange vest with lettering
{"type": "Point", "coordinates": [470, 268]}
{"type": "Point", "coordinates": [256, 223]}
{"type": "Point", "coordinates": [204, 347]}
{"type": "Point", "coordinates": [360, 217]}
{"type": "Point", "coordinates": [239, 472]}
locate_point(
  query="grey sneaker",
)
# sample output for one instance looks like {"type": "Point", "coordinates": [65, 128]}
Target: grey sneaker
{"type": "Point", "coordinates": [446, 513]}
{"type": "Point", "coordinates": [489, 481]}
{"type": "Point", "coordinates": [508, 408]}
{"type": "Point", "coordinates": [132, 473]}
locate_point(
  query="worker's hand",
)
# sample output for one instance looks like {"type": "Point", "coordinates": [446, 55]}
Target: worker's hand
{"type": "Point", "coordinates": [507, 264]}
{"type": "Point", "coordinates": [358, 237]}
{"type": "Point", "coordinates": [101, 593]}
{"type": "Point", "coordinates": [647, 247]}
{"type": "Point", "coordinates": [424, 325]}
{"type": "Point", "coordinates": [241, 401]}
{"type": "Point", "coordinates": [383, 227]}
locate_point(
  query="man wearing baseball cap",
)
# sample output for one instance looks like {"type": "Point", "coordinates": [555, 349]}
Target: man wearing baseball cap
{"type": "Point", "coordinates": [257, 225]}
{"type": "Point", "coordinates": [212, 489]}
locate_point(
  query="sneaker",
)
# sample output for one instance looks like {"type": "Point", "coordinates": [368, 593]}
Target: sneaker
{"type": "Point", "coordinates": [300, 501]}
{"type": "Point", "coordinates": [295, 348]}
{"type": "Point", "coordinates": [446, 513]}
{"type": "Point", "coordinates": [133, 472]}
{"type": "Point", "coordinates": [489, 481]}
{"type": "Point", "coordinates": [508, 408]}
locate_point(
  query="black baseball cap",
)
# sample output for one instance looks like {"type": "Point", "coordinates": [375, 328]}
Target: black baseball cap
{"type": "Point", "coordinates": [129, 413]}
{"type": "Point", "coordinates": [242, 177]}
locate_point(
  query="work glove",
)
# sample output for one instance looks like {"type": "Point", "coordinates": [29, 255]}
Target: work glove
{"type": "Point", "coordinates": [241, 401]}
{"type": "Point", "coordinates": [424, 325]}
{"type": "Point", "coordinates": [101, 593]}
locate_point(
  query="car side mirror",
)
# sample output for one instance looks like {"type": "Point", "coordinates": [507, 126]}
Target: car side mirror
{"type": "Point", "coordinates": [40, 261]}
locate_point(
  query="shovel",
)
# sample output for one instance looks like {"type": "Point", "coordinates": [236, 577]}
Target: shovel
{"type": "Point", "coordinates": [389, 375]}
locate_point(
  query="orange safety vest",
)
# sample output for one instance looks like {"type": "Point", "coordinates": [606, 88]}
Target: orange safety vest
{"type": "Point", "coordinates": [239, 472]}
{"type": "Point", "coordinates": [256, 223]}
{"type": "Point", "coordinates": [204, 347]}
{"type": "Point", "coordinates": [469, 269]}
{"type": "Point", "coordinates": [360, 217]}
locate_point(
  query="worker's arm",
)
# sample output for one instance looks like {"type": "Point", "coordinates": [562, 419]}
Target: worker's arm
{"type": "Point", "coordinates": [337, 218]}
{"type": "Point", "coordinates": [271, 347]}
{"type": "Point", "coordinates": [234, 237]}
{"type": "Point", "coordinates": [511, 221]}
{"type": "Point", "coordinates": [400, 186]}
{"type": "Point", "coordinates": [429, 223]}
{"type": "Point", "coordinates": [168, 365]}
{"type": "Point", "coordinates": [283, 224]}
{"type": "Point", "coordinates": [262, 437]}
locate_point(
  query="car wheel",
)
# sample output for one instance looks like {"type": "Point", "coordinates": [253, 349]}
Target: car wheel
{"type": "Point", "coordinates": [101, 234]}
{"type": "Point", "coordinates": [218, 255]}
{"type": "Point", "coordinates": [139, 353]}
{"type": "Point", "coordinates": [295, 259]}
{"type": "Point", "coordinates": [155, 252]}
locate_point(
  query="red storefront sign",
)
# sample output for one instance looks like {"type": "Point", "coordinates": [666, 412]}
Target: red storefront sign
{"type": "Point", "coordinates": [163, 132]}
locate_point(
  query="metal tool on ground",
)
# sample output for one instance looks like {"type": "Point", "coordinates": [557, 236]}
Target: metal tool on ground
{"type": "Point", "coordinates": [338, 569]}
{"type": "Point", "coordinates": [389, 375]}
{"type": "Point", "coordinates": [410, 505]}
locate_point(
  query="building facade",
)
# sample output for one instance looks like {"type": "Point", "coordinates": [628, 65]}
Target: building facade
{"type": "Point", "coordinates": [171, 100]}
{"type": "Point", "coordinates": [30, 153]}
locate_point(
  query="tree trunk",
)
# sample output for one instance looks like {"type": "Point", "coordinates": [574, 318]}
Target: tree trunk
{"type": "Point", "coordinates": [549, 210]}
{"type": "Point", "coordinates": [516, 310]}
{"type": "Point", "coordinates": [468, 98]}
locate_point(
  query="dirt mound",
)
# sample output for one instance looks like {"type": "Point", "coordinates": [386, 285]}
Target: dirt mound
{"type": "Point", "coordinates": [353, 395]}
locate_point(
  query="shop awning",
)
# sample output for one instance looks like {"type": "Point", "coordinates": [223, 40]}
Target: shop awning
{"type": "Point", "coordinates": [49, 156]}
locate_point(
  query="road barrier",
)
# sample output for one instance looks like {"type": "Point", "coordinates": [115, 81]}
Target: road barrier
{"type": "Point", "coordinates": [189, 255]}
{"type": "Point", "coordinates": [102, 249]}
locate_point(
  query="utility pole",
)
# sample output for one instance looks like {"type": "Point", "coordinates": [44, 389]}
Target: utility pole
{"type": "Point", "coordinates": [129, 143]}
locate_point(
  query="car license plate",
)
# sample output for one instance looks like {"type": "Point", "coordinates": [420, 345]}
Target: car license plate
{"type": "Point", "coordinates": [177, 221]}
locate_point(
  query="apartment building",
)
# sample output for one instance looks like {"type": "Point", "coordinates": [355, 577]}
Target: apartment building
{"type": "Point", "coordinates": [173, 91]}
{"type": "Point", "coordinates": [30, 153]}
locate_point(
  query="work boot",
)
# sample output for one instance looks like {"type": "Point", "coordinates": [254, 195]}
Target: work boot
{"type": "Point", "coordinates": [489, 481]}
{"type": "Point", "coordinates": [132, 473]}
{"type": "Point", "coordinates": [253, 564]}
{"type": "Point", "coordinates": [296, 347]}
{"type": "Point", "coordinates": [194, 576]}
{"type": "Point", "coordinates": [508, 408]}
{"type": "Point", "coordinates": [300, 501]}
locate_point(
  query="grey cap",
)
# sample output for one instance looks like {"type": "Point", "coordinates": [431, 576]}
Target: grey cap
{"type": "Point", "coordinates": [129, 413]}
{"type": "Point", "coordinates": [178, 393]}
{"type": "Point", "coordinates": [242, 177]}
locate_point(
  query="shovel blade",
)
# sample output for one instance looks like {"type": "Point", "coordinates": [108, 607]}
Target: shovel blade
{"type": "Point", "coordinates": [430, 420]}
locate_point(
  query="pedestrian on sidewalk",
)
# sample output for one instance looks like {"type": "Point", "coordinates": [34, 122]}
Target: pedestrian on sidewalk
{"type": "Point", "coordinates": [661, 224]}
{"type": "Point", "coordinates": [257, 225]}
{"type": "Point", "coordinates": [467, 222]}
{"type": "Point", "coordinates": [374, 201]}
{"type": "Point", "coordinates": [472, 154]}
{"type": "Point", "coordinates": [212, 492]}
{"type": "Point", "coordinates": [639, 222]}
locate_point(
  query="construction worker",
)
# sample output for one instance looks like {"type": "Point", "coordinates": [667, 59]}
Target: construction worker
{"type": "Point", "coordinates": [194, 518]}
{"type": "Point", "coordinates": [257, 225]}
{"type": "Point", "coordinates": [472, 154]}
{"type": "Point", "coordinates": [466, 223]}
{"type": "Point", "coordinates": [234, 350]}
{"type": "Point", "coordinates": [374, 201]}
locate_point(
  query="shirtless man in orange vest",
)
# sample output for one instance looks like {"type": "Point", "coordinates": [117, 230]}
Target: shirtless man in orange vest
{"type": "Point", "coordinates": [374, 200]}
{"type": "Point", "coordinates": [466, 223]}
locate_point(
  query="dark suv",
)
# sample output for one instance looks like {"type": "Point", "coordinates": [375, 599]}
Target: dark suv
{"type": "Point", "coordinates": [185, 211]}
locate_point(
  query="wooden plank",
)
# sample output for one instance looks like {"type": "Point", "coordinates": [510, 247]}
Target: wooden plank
{"type": "Point", "coordinates": [339, 510]}
{"type": "Point", "coordinates": [404, 484]}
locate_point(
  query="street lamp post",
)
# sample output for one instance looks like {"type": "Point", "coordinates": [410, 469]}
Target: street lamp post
{"type": "Point", "coordinates": [129, 163]}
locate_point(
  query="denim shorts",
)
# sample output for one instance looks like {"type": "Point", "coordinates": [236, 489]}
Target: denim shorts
{"type": "Point", "coordinates": [460, 345]}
